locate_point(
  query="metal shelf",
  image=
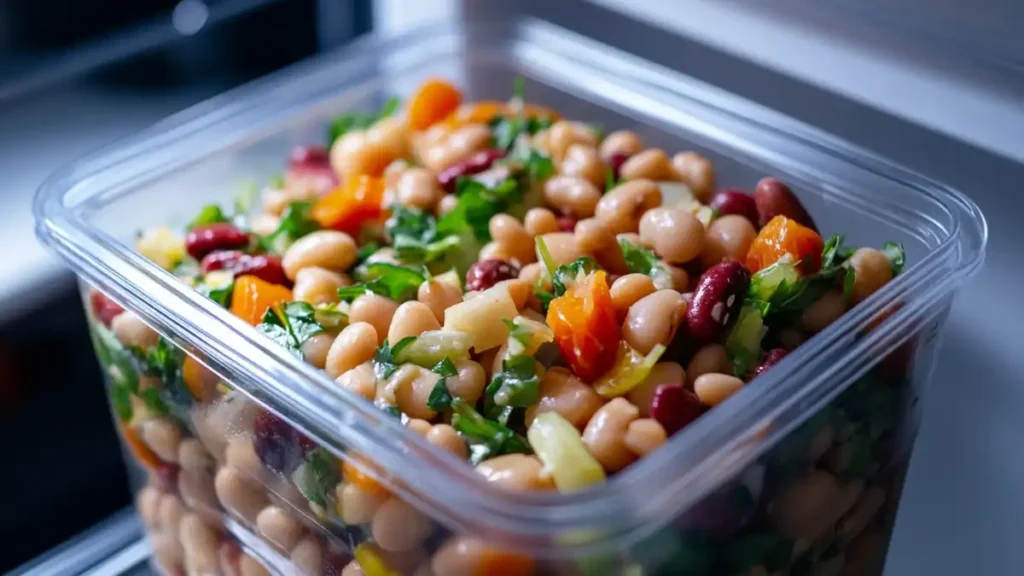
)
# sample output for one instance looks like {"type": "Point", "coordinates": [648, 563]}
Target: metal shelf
{"type": "Point", "coordinates": [114, 547]}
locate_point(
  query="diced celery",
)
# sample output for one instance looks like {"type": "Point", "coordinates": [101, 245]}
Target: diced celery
{"type": "Point", "coordinates": [630, 370]}
{"type": "Point", "coordinates": [743, 345]}
{"type": "Point", "coordinates": [483, 317]}
{"type": "Point", "coordinates": [559, 446]}
{"type": "Point", "coordinates": [675, 193]}
{"type": "Point", "coordinates": [527, 335]}
{"type": "Point", "coordinates": [433, 346]}
{"type": "Point", "coordinates": [767, 281]}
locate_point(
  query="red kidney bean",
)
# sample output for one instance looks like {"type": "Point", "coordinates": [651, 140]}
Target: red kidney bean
{"type": "Point", "coordinates": [263, 266]}
{"type": "Point", "coordinates": [717, 299]}
{"type": "Point", "coordinates": [773, 198]}
{"type": "Point", "coordinates": [770, 359]}
{"type": "Point", "coordinates": [675, 407]}
{"type": "Point", "coordinates": [476, 163]}
{"type": "Point", "coordinates": [733, 201]}
{"type": "Point", "coordinates": [566, 223]}
{"type": "Point", "coordinates": [103, 308]}
{"type": "Point", "coordinates": [279, 446]}
{"type": "Point", "coordinates": [486, 273]}
{"type": "Point", "coordinates": [166, 476]}
{"type": "Point", "coordinates": [615, 162]}
{"type": "Point", "coordinates": [220, 236]}
{"type": "Point", "coordinates": [721, 513]}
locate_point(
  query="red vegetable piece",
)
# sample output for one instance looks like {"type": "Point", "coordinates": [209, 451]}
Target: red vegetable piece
{"type": "Point", "coordinates": [675, 407]}
{"type": "Point", "coordinates": [475, 164]}
{"type": "Point", "coordinates": [734, 201]}
{"type": "Point", "coordinates": [615, 162]}
{"type": "Point", "coordinates": [309, 157]}
{"type": "Point", "coordinates": [770, 359]}
{"type": "Point", "coordinates": [220, 236]}
{"type": "Point", "coordinates": [486, 273]}
{"type": "Point", "coordinates": [103, 308]}
{"type": "Point", "coordinates": [566, 223]}
{"type": "Point", "coordinates": [266, 267]}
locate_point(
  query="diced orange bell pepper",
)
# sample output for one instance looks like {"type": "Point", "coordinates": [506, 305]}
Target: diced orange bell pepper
{"type": "Point", "coordinates": [252, 297]}
{"type": "Point", "coordinates": [356, 202]}
{"type": "Point", "coordinates": [199, 380]}
{"type": "Point", "coordinates": [494, 562]}
{"type": "Point", "coordinates": [783, 236]}
{"type": "Point", "coordinates": [142, 453]}
{"type": "Point", "coordinates": [434, 100]}
{"type": "Point", "coordinates": [583, 320]}
{"type": "Point", "coordinates": [483, 111]}
{"type": "Point", "coordinates": [354, 475]}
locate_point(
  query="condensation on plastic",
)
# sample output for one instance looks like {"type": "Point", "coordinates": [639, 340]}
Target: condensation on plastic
{"type": "Point", "coordinates": [88, 212]}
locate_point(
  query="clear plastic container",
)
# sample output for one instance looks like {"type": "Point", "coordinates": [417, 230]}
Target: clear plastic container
{"type": "Point", "coordinates": [798, 473]}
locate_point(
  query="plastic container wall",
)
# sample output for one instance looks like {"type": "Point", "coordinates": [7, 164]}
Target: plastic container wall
{"type": "Point", "coordinates": [241, 443]}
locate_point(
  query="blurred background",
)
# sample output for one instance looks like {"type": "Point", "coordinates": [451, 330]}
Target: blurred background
{"type": "Point", "coordinates": [933, 84]}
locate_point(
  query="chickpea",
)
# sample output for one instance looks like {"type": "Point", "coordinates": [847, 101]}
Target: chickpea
{"type": "Point", "coordinates": [356, 344]}
{"type": "Point", "coordinates": [572, 196]}
{"type": "Point", "coordinates": [397, 526]}
{"type": "Point", "coordinates": [871, 271]}
{"type": "Point", "coordinates": [199, 541]}
{"type": "Point", "coordinates": [147, 502]}
{"type": "Point", "coordinates": [279, 527]}
{"type": "Point", "coordinates": [318, 285]}
{"type": "Point", "coordinates": [264, 224]}
{"type": "Point", "coordinates": [677, 236]}
{"type": "Point", "coordinates": [651, 164]}
{"type": "Point", "coordinates": [237, 495]}
{"type": "Point", "coordinates": [130, 330]}
{"type": "Point", "coordinates": [644, 435]}
{"type": "Point", "coordinates": [470, 383]}
{"type": "Point", "coordinates": [713, 388]}
{"type": "Point", "coordinates": [516, 472]}
{"type": "Point", "coordinates": [824, 311]}
{"type": "Point", "coordinates": [445, 437]}
{"type": "Point", "coordinates": [622, 207]}
{"type": "Point", "coordinates": [240, 454]}
{"type": "Point", "coordinates": [582, 161]}
{"type": "Point", "coordinates": [669, 373]}
{"type": "Point", "coordinates": [605, 433]}
{"type": "Point", "coordinates": [540, 221]}
{"type": "Point", "coordinates": [412, 386]}
{"type": "Point", "coordinates": [696, 172]}
{"type": "Point", "coordinates": [307, 557]}
{"type": "Point", "coordinates": [377, 311]}
{"type": "Point", "coordinates": [564, 133]}
{"type": "Point", "coordinates": [418, 426]}
{"type": "Point", "coordinates": [249, 566]}
{"type": "Point", "coordinates": [563, 247]}
{"type": "Point", "coordinates": [316, 348]}
{"type": "Point", "coordinates": [162, 436]}
{"type": "Point", "coordinates": [354, 154]}
{"type": "Point", "coordinates": [628, 290]}
{"type": "Point", "coordinates": [412, 319]}
{"type": "Point", "coordinates": [360, 381]}
{"type": "Point", "coordinates": [620, 143]}
{"type": "Point", "coordinates": [418, 188]}
{"type": "Point", "coordinates": [328, 249]}
{"type": "Point", "coordinates": [653, 320]}
{"type": "Point", "coordinates": [446, 204]}
{"type": "Point", "coordinates": [728, 238]}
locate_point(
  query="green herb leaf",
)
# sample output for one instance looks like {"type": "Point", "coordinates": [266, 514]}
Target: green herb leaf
{"type": "Point", "coordinates": [517, 384]}
{"type": "Point", "coordinates": [210, 214]}
{"type": "Point", "coordinates": [849, 279]}
{"type": "Point", "coordinates": [329, 316]}
{"type": "Point", "coordinates": [389, 409]}
{"type": "Point", "coordinates": [317, 476]}
{"type": "Point", "coordinates": [486, 438]}
{"type": "Point", "coordinates": [121, 399]}
{"type": "Point", "coordinates": [384, 363]}
{"type": "Point", "coordinates": [221, 295]}
{"type": "Point", "coordinates": [290, 325]}
{"type": "Point", "coordinates": [743, 344]}
{"type": "Point", "coordinates": [277, 181]}
{"type": "Point", "coordinates": [360, 121]}
{"type": "Point", "coordinates": [830, 252]}
{"type": "Point", "coordinates": [151, 397]}
{"type": "Point", "coordinates": [440, 398]}
{"type": "Point", "coordinates": [506, 131]}
{"type": "Point", "coordinates": [896, 255]}
{"type": "Point", "coordinates": [296, 222]}
{"type": "Point", "coordinates": [399, 283]}
{"type": "Point", "coordinates": [366, 250]}
{"type": "Point", "coordinates": [640, 260]}
{"type": "Point", "coordinates": [538, 166]}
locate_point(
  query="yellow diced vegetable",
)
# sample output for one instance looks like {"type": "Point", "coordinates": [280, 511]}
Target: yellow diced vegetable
{"type": "Point", "coordinates": [162, 246]}
{"type": "Point", "coordinates": [630, 370]}
{"type": "Point", "coordinates": [559, 446]}
{"type": "Point", "coordinates": [482, 317]}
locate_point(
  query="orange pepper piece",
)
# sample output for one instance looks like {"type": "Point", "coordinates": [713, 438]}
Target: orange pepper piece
{"type": "Point", "coordinates": [347, 208]}
{"type": "Point", "coordinates": [494, 562]}
{"type": "Point", "coordinates": [434, 100]}
{"type": "Point", "coordinates": [142, 454]}
{"type": "Point", "coordinates": [783, 236]}
{"type": "Point", "coordinates": [199, 380]}
{"type": "Point", "coordinates": [252, 296]}
{"type": "Point", "coordinates": [586, 331]}
{"type": "Point", "coordinates": [354, 475]}
{"type": "Point", "coordinates": [483, 111]}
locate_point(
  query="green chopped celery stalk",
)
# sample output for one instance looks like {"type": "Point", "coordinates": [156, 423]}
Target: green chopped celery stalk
{"type": "Point", "coordinates": [434, 346]}
{"type": "Point", "coordinates": [526, 336]}
{"type": "Point", "coordinates": [767, 281]}
{"type": "Point", "coordinates": [559, 446]}
{"type": "Point", "coordinates": [743, 345]}
{"type": "Point", "coordinates": [630, 370]}
{"type": "Point", "coordinates": [371, 561]}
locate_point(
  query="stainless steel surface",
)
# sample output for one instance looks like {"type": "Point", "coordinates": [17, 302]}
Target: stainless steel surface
{"type": "Point", "coordinates": [114, 547]}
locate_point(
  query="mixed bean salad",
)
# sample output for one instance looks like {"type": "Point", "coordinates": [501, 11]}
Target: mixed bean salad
{"type": "Point", "coordinates": [548, 302]}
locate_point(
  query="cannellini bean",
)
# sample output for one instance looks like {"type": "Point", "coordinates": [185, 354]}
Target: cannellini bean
{"type": "Point", "coordinates": [357, 504]}
{"type": "Point", "coordinates": [872, 271]}
{"type": "Point", "coordinates": [652, 164]}
{"type": "Point", "coordinates": [238, 495]}
{"type": "Point", "coordinates": [563, 247]}
{"type": "Point", "coordinates": [412, 386]}
{"type": "Point", "coordinates": [327, 249]}
{"type": "Point", "coordinates": [540, 221]}
{"type": "Point", "coordinates": [713, 388]}
{"type": "Point", "coordinates": [279, 527]}
{"type": "Point", "coordinates": [728, 238]}
{"type": "Point", "coordinates": [307, 557]}
{"type": "Point", "coordinates": [624, 143]}
{"type": "Point", "coordinates": [628, 290]}
{"type": "Point", "coordinates": [582, 161]}
{"type": "Point", "coordinates": [360, 381]}
{"type": "Point", "coordinates": [397, 526]}
{"type": "Point", "coordinates": [162, 436]}
{"type": "Point", "coordinates": [130, 330]}
{"type": "Point", "coordinates": [564, 133]}
{"type": "Point", "coordinates": [412, 319]}
{"type": "Point", "coordinates": [711, 358]}
{"type": "Point", "coordinates": [622, 207]}
{"type": "Point", "coordinates": [676, 235]}
{"type": "Point", "coordinates": [516, 472]}
{"type": "Point", "coordinates": [445, 437]}
{"type": "Point", "coordinates": [572, 196]}
{"type": "Point", "coordinates": [696, 172]}
{"type": "Point", "coordinates": [653, 320]}
{"type": "Point", "coordinates": [669, 373]}
{"type": "Point", "coordinates": [375, 310]}
{"type": "Point", "coordinates": [644, 436]}
{"type": "Point", "coordinates": [824, 311]}
{"type": "Point", "coordinates": [319, 285]}
{"type": "Point", "coordinates": [439, 296]}
{"type": "Point", "coordinates": [605, 434]}
{"type": "Point", "coordinates": [564, 393]}
{"type": "Point", "coordinates": [147, 502]}
{"type": "Point", "coordinates": [356, 344]}
{"type": "Point", "coordinates": [199, 541]}
{"type": "Point", "coordinates": [418, 188]}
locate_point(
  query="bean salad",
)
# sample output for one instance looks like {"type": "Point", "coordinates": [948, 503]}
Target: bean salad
{"type": "Point", "coordinates": [546, 301]}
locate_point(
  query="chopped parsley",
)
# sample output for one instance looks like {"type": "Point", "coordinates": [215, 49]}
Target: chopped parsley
{"type": "Point", "coordinates": [290, 325]}
{"type": "Point", "coordinates": [296, 222]}
{"type": "Point", "coordinates": [896, 255]}
{"type": "Point", "coordinates": [640, 260]}
{"type": "Point", "coordinates": [210, 214]}
{"type": "Point", "coordinates": [317, 476]}
{"type": "Point", "coordinates": [440, 398]}
{"type": "Point", "coordinates": [415, 238]}
{"type": "Point", "coordinates": [398, 283]}
{"type": "Point", "coordinates": [345, 123]}
{"type": "Point", "coordinates": [384, 362]}
{"type": "Point", "coordinates": [486, 438]}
